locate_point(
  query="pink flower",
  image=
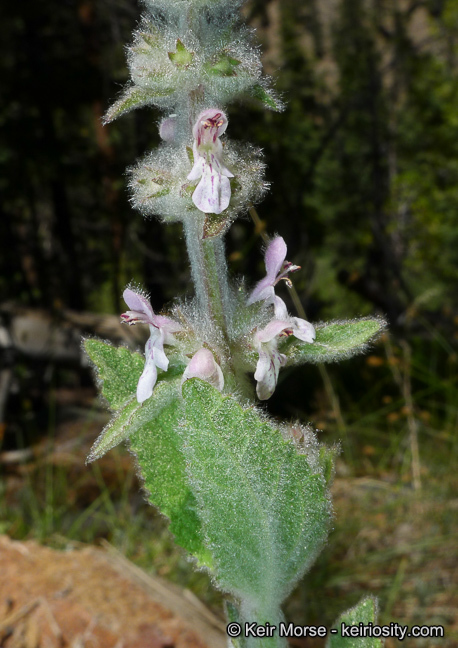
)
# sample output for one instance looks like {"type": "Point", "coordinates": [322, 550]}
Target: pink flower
{"type": "Point", "coordinates": [277, 269]}
{"type": "Point", "coordinates": [213, 193]}
{"type": "Point", "coordinates": [270, 359]}
{"type": "Point", "coordinates": [161, 332]}
{"type": "Point", "coordinates": [266, 340]}
{"type": "Point", "coordinates": [204, 366]}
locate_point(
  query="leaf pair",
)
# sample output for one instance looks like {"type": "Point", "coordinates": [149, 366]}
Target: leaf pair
{"type": "Point", "coordinates": [242, 500]}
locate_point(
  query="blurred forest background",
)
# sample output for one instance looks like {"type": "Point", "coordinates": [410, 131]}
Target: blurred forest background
{"type": "Point", "coordinates": [364, 170]}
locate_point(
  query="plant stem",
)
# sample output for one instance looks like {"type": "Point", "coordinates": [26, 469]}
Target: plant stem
{"type": "Point", "coordinates": [270, 618]}
{"type": "Point", "coordinates": [209, 274]}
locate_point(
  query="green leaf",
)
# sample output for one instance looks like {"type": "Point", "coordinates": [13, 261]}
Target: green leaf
{"type": "Point", "coordinates": [264, 511]}
{"type": "Point", "coordinates": [335, 341]}
{"type": "Point", "coordinates": [115, 432]}
{"type": "Point", "coordinates": [134, 97]}
{"type": "Point", "coordinates": [118, 371]}
{"type": "Point", "coordinates": [133, 416]}
{"type": "Point", "coordinates": [327, 458]}
{"type": "Point", "coordinates": [152, 429]}
{"type": "Point", "coordinates": [154, 187]}
{"type": "Point", "coordinates": [190, 154]}
{"type": "Point", "coordinates": [268, 97]}
{"type": "Point", "coordinates": [365, 612]}
{"type": "Point", "coordinates": [158, 449]}
{"type": "Point", "coordinates": [182, 58]}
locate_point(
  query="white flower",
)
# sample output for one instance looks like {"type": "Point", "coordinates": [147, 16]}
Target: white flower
{"type": "Point", "coordinates": [161, 332]}
{"type": "Point", "coordinates": [270, 359]}
{"type": "Point", "coordinates": [213, 193]}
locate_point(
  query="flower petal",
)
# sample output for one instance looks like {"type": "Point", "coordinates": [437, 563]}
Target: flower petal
{"type": "Point", "coordinates": [269, 332]}
{"type": "Point", "coordinates": [167, 325]}
{"type": "Point", "coordinates": [155, 346]}
{"type": "Point", "coordinates": [267, 371]}
{"type": "Point", "coordinates": [161, 332]}
{"type": "Point", "coordinates": [224, 170]}
{"type": "Point", "coordinates": [149, 376]}
{"type": "Point", "coordinates": [280, 310]}
{"type": "Point", "coordinates": [274, 257]}
{"type": "Point", "coordinates": [168, 128]}
{"type": "Point", "coordinates": [140, 308]}
{"type": "Point", "coordinates": [210, 124]}
{"type": "Point", "coordinates": [264, 289]}
{"type": "Point", "coordinates": [213, 193]}
{"type": "Point", "coordinates": [198, 168]}
{"type": "Point", "coordinates": [303, 330]}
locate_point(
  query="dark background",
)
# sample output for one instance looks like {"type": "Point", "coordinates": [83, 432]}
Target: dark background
{"type": "Point", "coordinates": [363, 164]}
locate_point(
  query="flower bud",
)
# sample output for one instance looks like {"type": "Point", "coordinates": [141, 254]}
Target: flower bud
{"type": "Point", "coordinates": [204, 366]}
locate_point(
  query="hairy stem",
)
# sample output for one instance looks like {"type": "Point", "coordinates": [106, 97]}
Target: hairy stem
{"type": "Point", "coordinates": [209, 274]}
{"type": "Point", "coordinates": [268, 620]}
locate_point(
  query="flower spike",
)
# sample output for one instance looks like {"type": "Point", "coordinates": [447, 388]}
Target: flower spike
{"type": "Point", "coordinates": [213, 193]}
{"type": "Point", "coordinates": [161, 332]}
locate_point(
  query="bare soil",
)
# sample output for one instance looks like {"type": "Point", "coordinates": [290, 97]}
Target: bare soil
{"type": "Point", "coordinates": [86, 598]}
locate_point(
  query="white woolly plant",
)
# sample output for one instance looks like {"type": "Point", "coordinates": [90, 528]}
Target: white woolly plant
{"type": "Point", "coordinates": [247, 497]}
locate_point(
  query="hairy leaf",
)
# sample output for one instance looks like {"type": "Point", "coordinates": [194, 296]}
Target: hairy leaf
{"type": "Point", "coordinates": [118, 370]}
{"type": "Point", "coordinates": [152, 430]}
{"type": "Point", "coordinates": [115, 432]}
{"type": "Point", "coordinates": [264, 511]}
{"type": "Point", "coordinates": [365, 612]}
{"type": "Point", "coordinates": [158, 449]}
{"type": "Point", "coordinates": [225, 65]}
{"type": "Point", "coordinates": [268, 97]}
{"type": "Point", "coordinates": [132, 417]}
{"type": "Point", "coordinates": [335, 341]}
{"type": "Point", "coordinates": [133, 97]}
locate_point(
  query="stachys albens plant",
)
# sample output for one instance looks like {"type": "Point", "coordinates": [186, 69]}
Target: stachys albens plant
{"type": "Point", "coordinates": [247, 498]}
